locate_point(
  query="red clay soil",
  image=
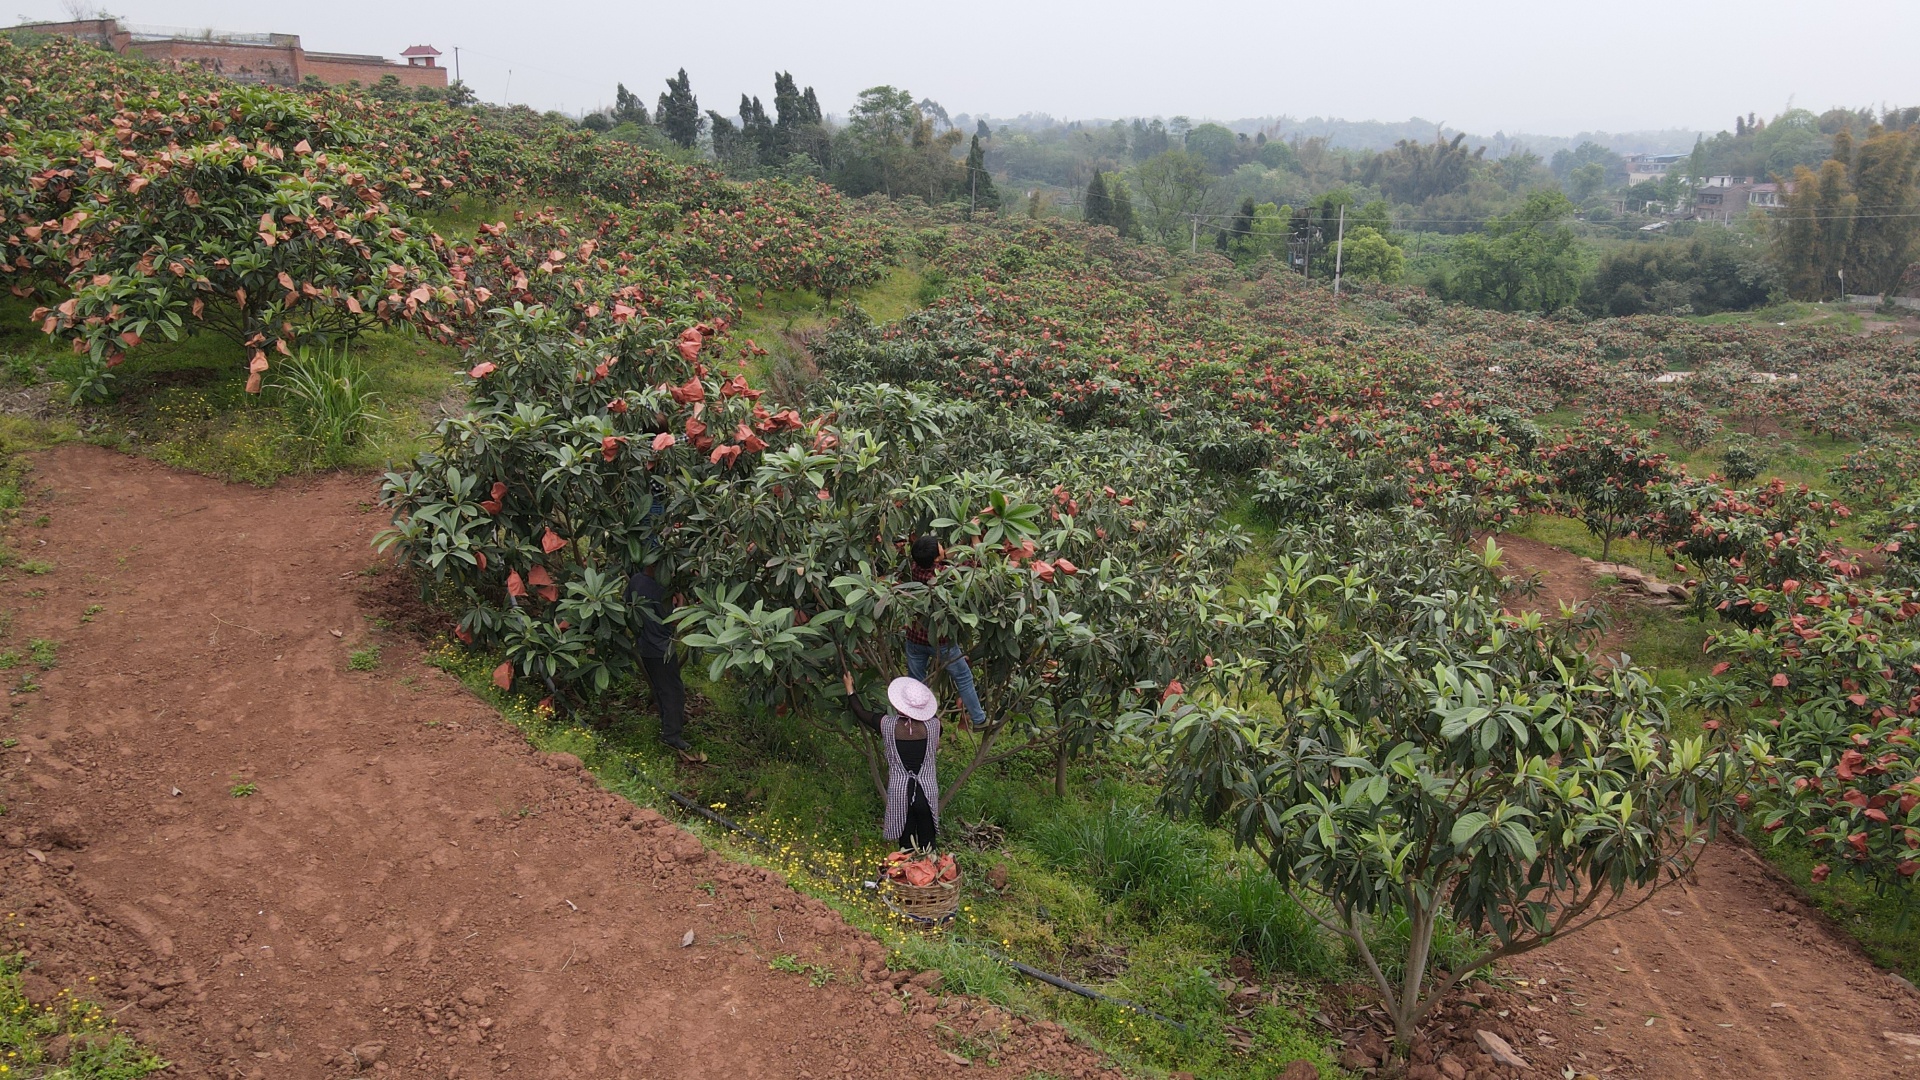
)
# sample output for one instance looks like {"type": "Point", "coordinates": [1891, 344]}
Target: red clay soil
{"type": "Point", "coordinates": [1731, 975]}
{"type": "Point", "coordinates": [1563, 581]}
{"type": "Point", "coordinates": [411, 890]}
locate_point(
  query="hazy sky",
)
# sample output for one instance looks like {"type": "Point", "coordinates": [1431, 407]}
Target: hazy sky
{"type": "Point", "coordinates": [1539, 66]}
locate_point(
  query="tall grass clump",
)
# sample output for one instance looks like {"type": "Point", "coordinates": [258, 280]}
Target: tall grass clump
{"type": "Point", "coordinates": [1268, 927]}
{"type": "Point", "coordinates": [1133, 857]}
{"type": "Point", "coordinates": [329, 399]}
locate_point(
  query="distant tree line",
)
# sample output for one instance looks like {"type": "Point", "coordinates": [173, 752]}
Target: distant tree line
{"type": "Point", "coordinates": [1514, 232]}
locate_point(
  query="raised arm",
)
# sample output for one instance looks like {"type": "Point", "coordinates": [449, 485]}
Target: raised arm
{"type": "Point", "coordinates": [867, 718]}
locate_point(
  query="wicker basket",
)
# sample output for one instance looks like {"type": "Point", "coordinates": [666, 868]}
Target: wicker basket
{"type": "Point", "coordinates": [932, 905]}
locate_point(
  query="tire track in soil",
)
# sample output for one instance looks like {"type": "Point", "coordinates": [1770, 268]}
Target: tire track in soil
{"type": "Point", "coordinates": [1796, 995]}
{"type": "Point", "coordinates": [410, 881]}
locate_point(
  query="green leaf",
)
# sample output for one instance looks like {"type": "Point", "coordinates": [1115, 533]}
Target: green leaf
{"type": "Point", "coordinates": [1467, 827]}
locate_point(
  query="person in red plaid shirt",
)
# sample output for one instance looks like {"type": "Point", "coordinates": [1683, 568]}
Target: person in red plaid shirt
{"type": "Point", "coordinates": [921, 652]}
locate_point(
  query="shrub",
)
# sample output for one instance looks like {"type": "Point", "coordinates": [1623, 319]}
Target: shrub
{"type": "Point", "coordinates": [1742, 460]}
{"type": "Point", "coordinates": [1469, 767]}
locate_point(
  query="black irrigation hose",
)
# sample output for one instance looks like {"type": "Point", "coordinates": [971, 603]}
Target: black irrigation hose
{"type": "Point", "coordinates": [1059, 982]}
{"type": "Point", "coordinates": [1069, 985]}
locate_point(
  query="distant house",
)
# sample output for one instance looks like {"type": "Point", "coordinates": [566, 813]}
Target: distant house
{"type": "Point", "coordinates": [275, 59]}
{"type": "Point", "coordinates": [1644, 167]}
{"type": "Point", "coordinates": [1769, 196]}
{"type": "Point", "coordinates": [1723, 198]}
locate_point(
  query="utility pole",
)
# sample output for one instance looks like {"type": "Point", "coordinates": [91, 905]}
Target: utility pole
{"type": "Point", "coordinates": [1339, 248]}
{"type": "Point", "coordinates": [507, 98]}
{"type": "Point", "coordinates": [1194, 220]}
{"type": "Point", "coordinates": [456, 63]}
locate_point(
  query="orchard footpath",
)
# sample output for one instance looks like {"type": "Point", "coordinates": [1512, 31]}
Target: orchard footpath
{"type": "Point", "coordinates": [1732, 974]}
{"type": "Point", "coordinates": [268, 864]}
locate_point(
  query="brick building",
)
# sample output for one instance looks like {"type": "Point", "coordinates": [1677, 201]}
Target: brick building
{"type": "Point", "coordinates": [277, 59]}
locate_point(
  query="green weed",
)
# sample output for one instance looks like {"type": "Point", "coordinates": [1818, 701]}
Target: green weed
{"type": "Point", "coordinates": [1131, 856]}
{"type": "Point", "coordinates": [366, 658]}
{"type": "Point", "coordinates": [1269, 927]}
{"type": "Point", "coordinates": [9, 660]}
{"type": "Point", "coordinates": [92, 610]}
{"type": "Point", "coordinates": [94, 1050]}
{"type": "Point", "coordinates": [330, 399]}
{"type": "Point", "coordinates": [36, 567]}
{"type": "Point", "coordinates": [45, 652]}
{"type": "Point", "coordinates": [817, 975]}
{"type": "Point", "coordinates": [243, 789]}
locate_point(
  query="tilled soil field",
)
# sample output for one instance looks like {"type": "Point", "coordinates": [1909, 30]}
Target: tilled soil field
{"type": "Point", "coordinates": [408, 889]}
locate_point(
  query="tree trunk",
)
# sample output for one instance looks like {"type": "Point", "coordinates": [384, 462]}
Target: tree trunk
{"type": "Point", "coordinates": [987, 736]}
{"type": "Point", "coordinates": [1406, 1017]}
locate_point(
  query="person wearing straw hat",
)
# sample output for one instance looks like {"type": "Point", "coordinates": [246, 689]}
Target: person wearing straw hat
{"type": "Point", "coordinates": [909, 738]}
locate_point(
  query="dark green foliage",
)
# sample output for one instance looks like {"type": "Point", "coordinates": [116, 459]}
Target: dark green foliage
{"type": "Point", "coordinates": [1148, 139]}
{"type": "Point", "coordinates": [1742, 460]}
{"type": "Point", "coordinates": [889, 146]}
{"type": "Point", "coordinates": [1528, 260]}
{"type": "Point", "coordinates": [1713, 272]}
{"type": "Point", "coordinates": [1275, 154]}
{"type": "Point", "coordinates": [679, 111]}
{"type": "Point", "coordinates": [388, 89]}
{"type": "Point", "coordinates": [798, 126]}
{"type": "Point", "coordinates": [1613, 167]}
{"type": "Point", "coordinates": [730, 148]}
{"type": "Point", "coordinates": [980, 192]}
{"type": "Point", "coordinates": [1123, 219]}
{"type": "Point", "coordinates": [1414, 172]}
{"type": "Point", "coordinates": [1099, 209]}
{"type": "Point", "coordinates": [759, 131]}
{"type": "Point", "coordinates": [1214, 145]}
{"type": "Point", "coordinates": [628, 108]}
{"type": "Point", "coordinates": [1239, 230]}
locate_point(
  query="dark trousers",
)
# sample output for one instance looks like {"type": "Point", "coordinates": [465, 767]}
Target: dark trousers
{"type": "Point", "coordinates": [669, 694]}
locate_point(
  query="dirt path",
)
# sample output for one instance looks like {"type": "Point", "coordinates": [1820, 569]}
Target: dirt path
{"type": "Point", "coordinates": [1731, 976]}
{"type": "Point", "coordinates": [411, 890]}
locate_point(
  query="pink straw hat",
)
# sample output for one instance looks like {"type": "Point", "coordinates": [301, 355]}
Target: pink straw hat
{"type": "Point", "coordinates": [911, 698]}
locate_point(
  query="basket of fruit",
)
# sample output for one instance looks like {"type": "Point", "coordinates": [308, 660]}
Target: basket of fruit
{"type": "Point", "coordinates": [921, 886]}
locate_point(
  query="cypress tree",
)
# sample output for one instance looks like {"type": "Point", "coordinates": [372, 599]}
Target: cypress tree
{"type": "Point", "coordinates": [1240, 231]}
{"type": "Point", "coordinates": [1122, 211]}
{"type": "Point", "coordinates": [1099, 207]}
{"type": "Point", "coordinates": [727, 149]}
{"type": "Point", "coordinates": [679, 111]}
{"type": "Point", "coordinates": [789, 107]}
{"type": "Point", "coordinates": [758, 131]}
{"type": "Point", "coordinates": [979, 189]}
{"type": "Point", "coordinates": [628, 108]}
{"type": "Point", "coordinates": [797, 122]}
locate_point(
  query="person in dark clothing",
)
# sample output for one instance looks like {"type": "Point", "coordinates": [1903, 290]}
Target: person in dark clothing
{"type": "Point", "coordinates": [654, 646]}
{"type": "Point", "coordinates": [910, 740]}
{"type": "Point", "coordinates": [921, 652]}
